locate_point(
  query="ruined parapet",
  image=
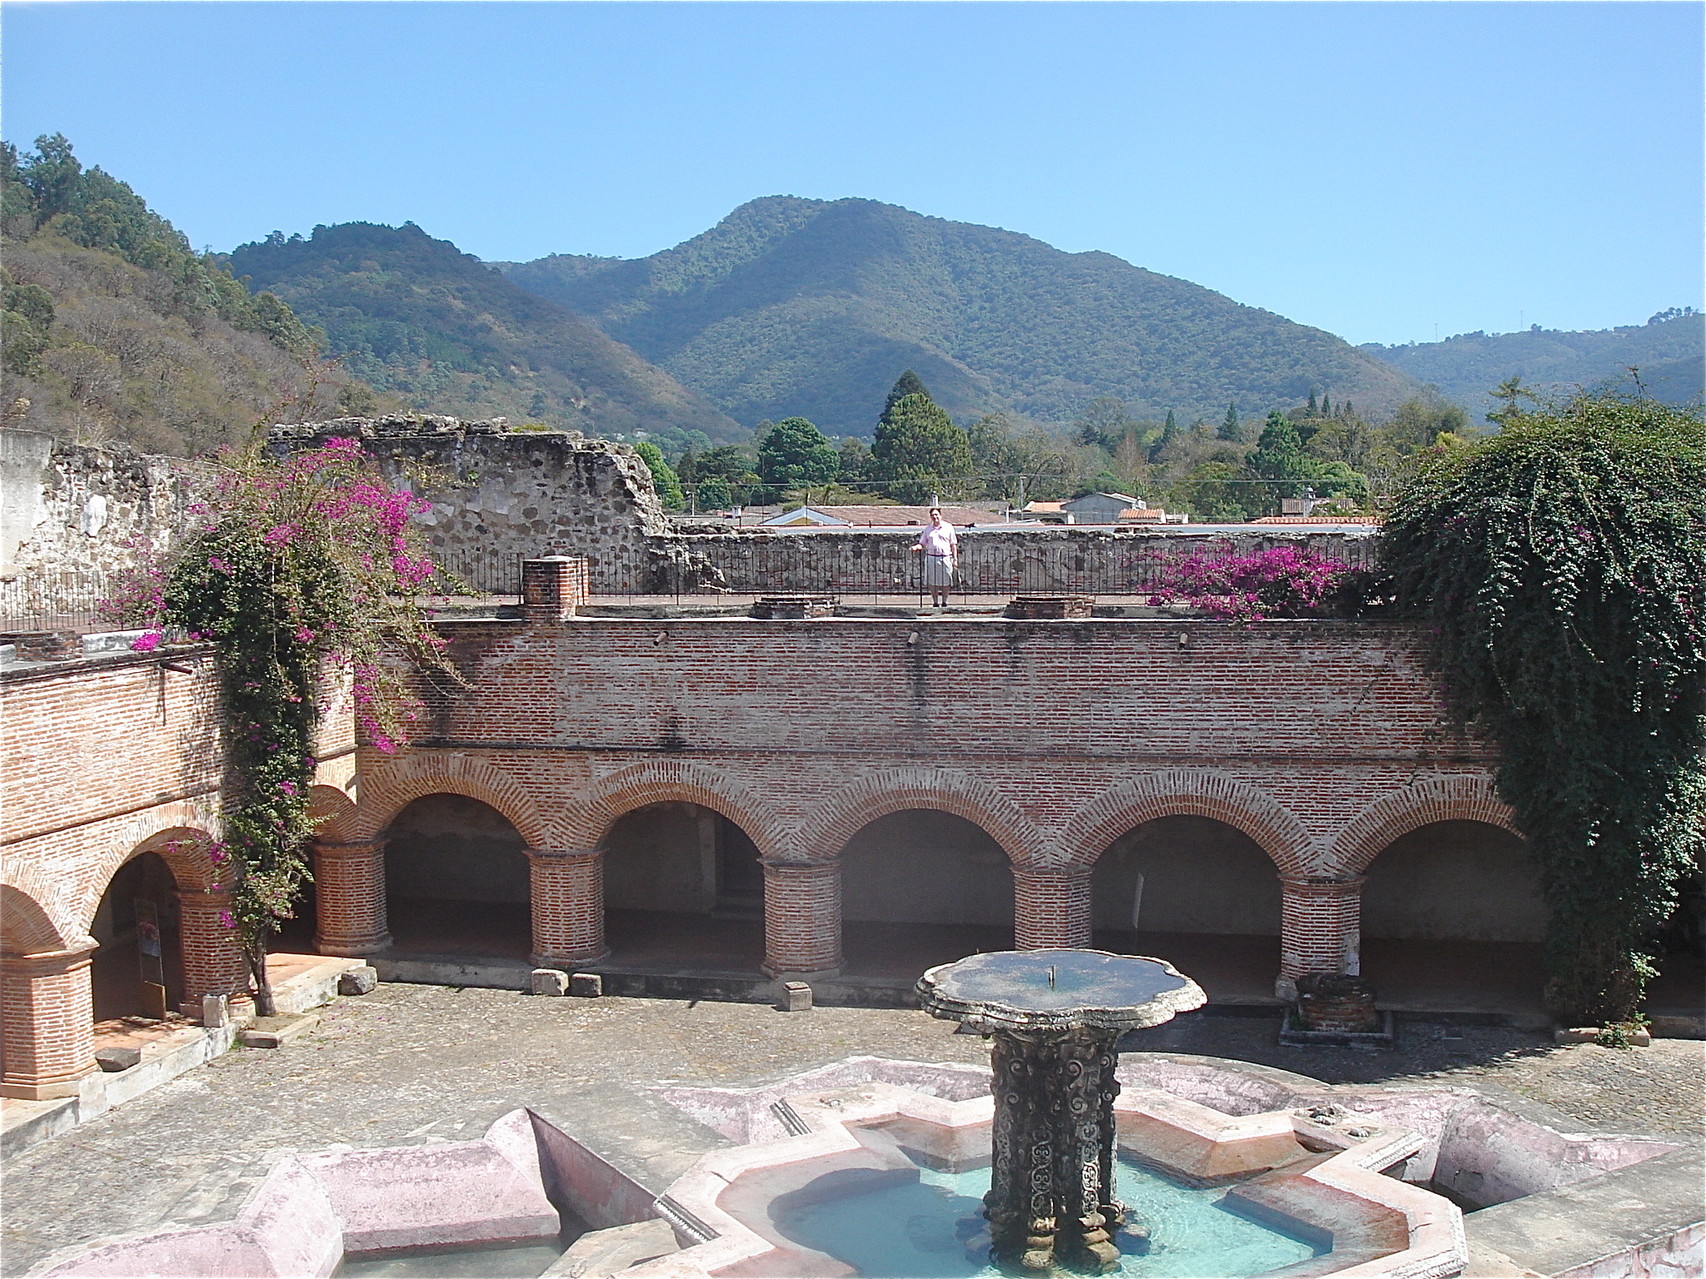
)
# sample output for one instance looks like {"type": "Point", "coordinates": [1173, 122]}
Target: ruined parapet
{"type": "Point", "coordinates": [73, 517]}
{"type": "Point", "coordinates": [510, 495]}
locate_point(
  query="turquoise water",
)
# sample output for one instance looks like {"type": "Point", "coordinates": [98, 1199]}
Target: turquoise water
{"type": "Point", "coordinates": [934, 1229]}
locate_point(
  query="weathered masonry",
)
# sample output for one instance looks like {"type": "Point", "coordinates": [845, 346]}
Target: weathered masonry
{"type": "Point", "coordinates": [578, 769]}
{"type": "Point", "coordinates": [110, 772]}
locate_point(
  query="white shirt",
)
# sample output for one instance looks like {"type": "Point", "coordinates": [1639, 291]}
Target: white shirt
{"type": "Point", "coordinates": [939, 540]}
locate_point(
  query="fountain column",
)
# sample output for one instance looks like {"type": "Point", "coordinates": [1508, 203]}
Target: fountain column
{"type": "Point", "coordinates": [1056, 1017]}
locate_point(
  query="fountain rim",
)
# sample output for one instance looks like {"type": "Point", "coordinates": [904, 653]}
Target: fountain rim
{"type": "Point", "coordinates": [990, 1016]}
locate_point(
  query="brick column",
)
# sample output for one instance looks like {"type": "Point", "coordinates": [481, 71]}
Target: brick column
{"type": "Point", "coordinates": [47, 1022]}
{"type": "Point", "coordinates": [1320, 928]}
{"type": "Point", "coordinates": [1051, 907]}
{"type": "Point", "coordinates": [802, 918]}
{"type": "Point", "coordinates": [552, 588]}
{"type": "Point", "coordinates": [213, 962]}
{"type": "Point", "coordinates": [567, 893]}
{"type": "Point", "coordinates": [349, 896]}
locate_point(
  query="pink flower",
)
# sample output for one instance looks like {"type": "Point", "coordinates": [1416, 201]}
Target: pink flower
{"type": "Point", "coordinates": [218, 565]}
{"type": "Point", "coordinates": [289, 788]}
{"type": "Point", "coordinates": [279, 534]}
{"type": "Point", "coordinates": [147, 642]}
{"type": "Point", "coordinates": [227, 919]}
{"type": "Point", "coordinates": [303, 635]}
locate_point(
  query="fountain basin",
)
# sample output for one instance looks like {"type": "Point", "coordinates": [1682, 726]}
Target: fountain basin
{"type": "Point", "coordinates": [738, 1210]}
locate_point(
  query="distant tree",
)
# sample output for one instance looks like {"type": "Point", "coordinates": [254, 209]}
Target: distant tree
{"type": "Point", "coordinates": [1231, 429]}
{"type": "Point", "coordinates": [1218, 492]}
{"type": "Point", "coordinates": [720, 477]}
{"type": "Point", "coordinates": [664, 479]}
{"type": "Point", "coordinates": [908, 383]}
{"type": "Point", "coordinates": [794, 454]}
{"type": "Point", "coordinates": [1313, 409]}
{"type": "Point", "coordinates": [853, 462]}
{"type": "Point", "coordinates": [1169, 437]}
{"type": "Point", "coordinates": [1279, 457]}
{"type": "Point", "coordinates": [1102, 423]}
{"type": "Point", "coordinates": [918, 450]}
{"type": "Point", "coordinates": [1421, 419]}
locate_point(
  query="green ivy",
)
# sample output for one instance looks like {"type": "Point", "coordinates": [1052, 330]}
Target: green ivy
{"type": "Point", "coordinates": [1562, 564]}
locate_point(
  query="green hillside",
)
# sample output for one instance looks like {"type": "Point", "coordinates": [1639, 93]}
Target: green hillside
{"type": "Point", "coordinates": [1666, 351]}
{"type": "Point", "coordinates": [115, 329]}
{"type": "Point", "coordinates": [423, 321]}
{"type": "Point", "coordinates": [812, 308]}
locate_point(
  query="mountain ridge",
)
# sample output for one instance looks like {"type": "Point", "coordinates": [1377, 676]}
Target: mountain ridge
{"type": "Point", "coordinates": [994, 320]}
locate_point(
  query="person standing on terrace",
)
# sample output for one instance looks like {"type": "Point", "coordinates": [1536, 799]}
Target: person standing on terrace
{"type": "Point", "coordinates": [941, 548]}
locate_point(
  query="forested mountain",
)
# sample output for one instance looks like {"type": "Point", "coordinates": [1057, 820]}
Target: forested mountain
{"type": "Point", "coordinates": [811, 308]}
{"type": "Point", "coordinates": [420, 319]}
{"type": "Point", "coordinates": [1666, 351]}
{"type": "Point", "coordinates": [116, 329]}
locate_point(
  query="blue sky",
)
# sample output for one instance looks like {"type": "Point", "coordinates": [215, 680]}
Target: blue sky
{"type": "Point", "coordinates": [1385, 171]}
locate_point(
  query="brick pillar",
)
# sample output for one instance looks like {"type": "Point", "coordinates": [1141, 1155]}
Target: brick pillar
{"type": "Point", "coordinates": [554, 587]}
{"type": "Point", "coordinates": [213, 962]}
{"type": "Point", "coordinates": [1320, 928]}
{"type": "Point", "coordinates": [567, 892]}
{"type": "Point", "coordinates": [349, 896]}
{"type": "Point", "coordinates": [802, 918]}
{"type": "Point", "coordinates": [1051, 907]}
{"type": "Point", "coordinates": [47, 1022]}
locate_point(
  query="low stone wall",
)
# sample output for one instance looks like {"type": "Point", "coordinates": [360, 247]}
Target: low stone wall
{"type": "Point", "coordinates": [992, 561]}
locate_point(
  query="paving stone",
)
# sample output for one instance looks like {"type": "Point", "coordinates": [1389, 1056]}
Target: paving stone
{"type": "Point", "coordinates": [412, 1064]}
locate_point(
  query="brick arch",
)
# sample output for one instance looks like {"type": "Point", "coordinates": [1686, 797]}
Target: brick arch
{"type": "Point", "coordinates": [673, 781]}
{"type": "Point", "coordinates": [183, 849]}
{"type": "Point", "coordinates": [1189, 793]}
{"type": "Point", "coordinates": [1463, 797]}
{"type": "Point", "coordinates": [328, 805]}
{"type": "Point", "coordinates": [387, 790]}
{"type": "Point", "coordinates": [894, 790]}
{"type": "Point", "coordinates": [27, 926]}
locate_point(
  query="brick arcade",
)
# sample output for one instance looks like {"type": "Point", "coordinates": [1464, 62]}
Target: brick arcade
{"type": "Point", "coordinates": [1040, 781]}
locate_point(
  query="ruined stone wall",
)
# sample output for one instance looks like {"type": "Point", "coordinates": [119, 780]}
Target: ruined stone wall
{"type": "Point", "coordinates": [501, 495]}
{"type": "Point", "coordinates": [992, 561]}
{"type": "Point", "coordinates": [73, 517]}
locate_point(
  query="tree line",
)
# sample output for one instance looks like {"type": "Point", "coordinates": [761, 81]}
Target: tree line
{"type": "Point", "coordinates": [1224, 472]}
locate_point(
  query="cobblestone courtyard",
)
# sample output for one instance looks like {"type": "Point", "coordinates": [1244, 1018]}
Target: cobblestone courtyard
{"type": "Point", "coordinates": [411, 1064]}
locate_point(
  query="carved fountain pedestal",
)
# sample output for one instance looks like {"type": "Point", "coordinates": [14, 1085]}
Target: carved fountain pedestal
{"type": "Point", "coordinates": [1055, 1016]}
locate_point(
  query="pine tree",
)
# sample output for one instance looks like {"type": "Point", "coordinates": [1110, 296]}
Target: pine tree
{"type": "Point", "coordinates": [917, 448]}
{"type": "Point", "coordinates": [1314, 409]}
{"type": "Point", "coordinates": [1231, 429]}
{"type": "Point", "coordinates": [908, 383]}
{"type": "Point", "coordinates": [1169, 435]}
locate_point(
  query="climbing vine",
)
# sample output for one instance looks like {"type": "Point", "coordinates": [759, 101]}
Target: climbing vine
{"type": "Point", "coordinates": [1562, 565]}
{"type": "Point", "coordinates": [297, 570]}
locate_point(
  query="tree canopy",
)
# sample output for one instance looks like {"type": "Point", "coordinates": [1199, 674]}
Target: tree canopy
{"type": "Point", "coordinates": [794, 453]}
{"type": "Point", "coordinates": [918, 450]}
{"type": "Point", "coordinates": [1561, 567]}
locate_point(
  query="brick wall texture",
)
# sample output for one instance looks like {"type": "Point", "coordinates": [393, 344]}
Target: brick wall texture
{"type": "Point", "coordinates": [1321, 741]}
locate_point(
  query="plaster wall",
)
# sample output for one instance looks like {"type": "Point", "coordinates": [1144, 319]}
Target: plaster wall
{"type": "Point", "coordinates": [662, 857]}
{"type": "Point", "coordinates": [450, 847]}
{"type": "Point", "coordinates": [1455, 880]}
{"type": "Point", "coordinates": [1197, 875]}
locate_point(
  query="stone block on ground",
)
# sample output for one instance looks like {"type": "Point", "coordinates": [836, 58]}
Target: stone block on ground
{"type": "Point", "coordinates": [586, 985]}
{"type": "Point", "coordinates": [115, 1059]}
{"type": "Point", "coordinates": [794, 997]}
{"type": "Point", "coordinates": [275, 1032]}
{"type": "Point", "coordinates": [215, 1010]}
{"type": "Point", "coordinates": [549, 981]}
{"type": "Point", "coordinates": [358, 981]}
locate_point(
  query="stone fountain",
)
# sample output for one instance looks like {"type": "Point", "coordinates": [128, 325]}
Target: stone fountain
{"type": "Point", "coordinates": [1055, 1016]}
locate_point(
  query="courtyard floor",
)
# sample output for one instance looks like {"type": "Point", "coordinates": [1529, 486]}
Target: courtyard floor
{"type": "Point", "coordinates": [410, 1063]}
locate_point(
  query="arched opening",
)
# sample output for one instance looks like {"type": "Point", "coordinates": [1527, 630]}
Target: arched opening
{"type": "Point", "coordinates": [683, 886]}
{"type": "Point", "coordinates": [1196, 892]}
{"type": "Point", "coordinates": [137, 971]}
{"type": "Point", "coordinates": [922, 887]}
{"type": "Point", "coordinates": [1454, 907]}
{"type": "Point", "coordinates": [456, 880]}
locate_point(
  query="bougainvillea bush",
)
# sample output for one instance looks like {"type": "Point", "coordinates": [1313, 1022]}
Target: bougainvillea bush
{"type": "Point", "coordinates": [297, 569]}
{"type": "Point", "coordinates": [1284, 581]}
{"type": "Point", "coordinates": [1561, 567]}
